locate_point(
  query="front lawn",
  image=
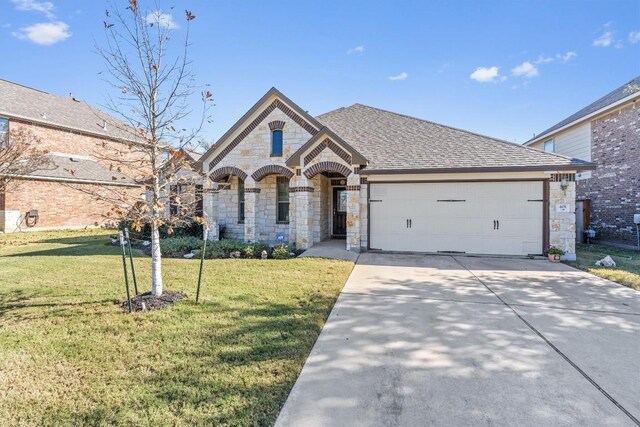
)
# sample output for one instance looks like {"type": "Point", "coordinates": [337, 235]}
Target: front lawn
{"type": "Point", "coordinates": [627, 271]}
{"type": "Point", "coordinates": [70, 356]}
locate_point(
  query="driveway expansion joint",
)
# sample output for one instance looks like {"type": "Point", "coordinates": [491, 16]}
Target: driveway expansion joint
{"type": "Point", "coordinates": [556, 349]}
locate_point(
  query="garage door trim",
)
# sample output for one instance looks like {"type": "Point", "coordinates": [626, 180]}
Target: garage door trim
{"type": "Point", "coordinates": [545, 199]}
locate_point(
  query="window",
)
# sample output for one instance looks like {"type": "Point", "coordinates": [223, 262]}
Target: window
{"type": "Point", "coordinates": [4, 130]}
{"type": "Point", "coordinates": [282, 201]}
{"type": "Point", "coordinates": [276, 142]}
{"type": "Point", "coordinates": [199, 211]}
{"type": "Point", "coordinates": [240, 201]}
{"type": "Point", "coordinates": [548, 146]}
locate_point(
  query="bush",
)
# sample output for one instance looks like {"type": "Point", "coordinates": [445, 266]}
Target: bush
{"type": "Point", "coordinates": [254, 250]}
{"type": "Point", "coordinates": [222, 248]}
{"type": "Point", "coordinates": [281, 252]}
{"type": "Point", "coordinates": [189, 230]}
{"type": "Point", "coordinates": [178, 246]}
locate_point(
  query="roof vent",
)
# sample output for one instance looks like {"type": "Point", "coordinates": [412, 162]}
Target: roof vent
{"type": "Point", "coordinates": [43, 116]}
{"type": "Point", "coordinates": [104, 125]}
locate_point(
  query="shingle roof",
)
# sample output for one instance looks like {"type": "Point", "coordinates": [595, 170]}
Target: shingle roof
{"type": "Point", "coordinates": [61, 111]}
{"type": "Point", "coordinates": [392, 141]}
{"type": "Point", "coordinates": [622, 92]}
{"type": "Point", "coordinates": [78, 168]}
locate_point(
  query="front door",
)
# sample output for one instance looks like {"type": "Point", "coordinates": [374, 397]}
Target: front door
{"type": "Point", "coordinates": [339, 212]}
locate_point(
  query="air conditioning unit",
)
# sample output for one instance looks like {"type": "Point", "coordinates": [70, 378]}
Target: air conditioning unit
{"type": "Point", "coordinates": [636, 219]}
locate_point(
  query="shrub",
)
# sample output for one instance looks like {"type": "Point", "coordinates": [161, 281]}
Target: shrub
{"type": "Point", "coordinates": [178, 246]}
{"type": "Point", "coordinates": [254, 250]}
{"type": "Point", "coordinates": [192, 229]}
{"type": "Point", "coordinates": [222, 248]}
{"type": "Point", "coordinates": [553, 250]}
{"type": "Point", "coordinates": [281, 252]}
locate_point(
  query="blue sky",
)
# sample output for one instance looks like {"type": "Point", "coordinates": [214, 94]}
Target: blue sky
{"type": "Point", "coordinates": [501, 68]}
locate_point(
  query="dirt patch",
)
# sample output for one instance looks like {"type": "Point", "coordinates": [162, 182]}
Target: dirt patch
{"type": "Point", "coordinates": [148, 302]}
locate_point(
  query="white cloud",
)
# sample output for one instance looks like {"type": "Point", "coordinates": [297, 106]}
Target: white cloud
{"type": "Point", "coordinates": [45, 7]}
{"type": "Point", "coordinates": [526, 69]}
{"type": "Point", "coordinates": [634, 37]}
{"type": "Point", "coordinates": [544, 59]}
{"type": "Point", "coordinates": [605, 39]}
{"type": "Point", "coordinates": [164, 20]}
{"type": "Point", "coordinates": [567, 56]}
{"type": "Point", "coordinates": [45, 33]}
{"type": "Point", "coordinates": [486, 74]}
{"type": "Point", "coordinates": [400, 76]}
{"type": "Point", "coordinates": [358, 50]}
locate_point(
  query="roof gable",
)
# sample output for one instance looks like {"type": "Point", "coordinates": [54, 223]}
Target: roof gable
{"type": "Point", "coordinates": [326, 138]}
{"type": "Point", "coordinates": [273, 99]}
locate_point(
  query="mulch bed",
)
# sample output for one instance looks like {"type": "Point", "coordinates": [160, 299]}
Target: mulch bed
{"type": "Point", "coordinates": [148, 302]}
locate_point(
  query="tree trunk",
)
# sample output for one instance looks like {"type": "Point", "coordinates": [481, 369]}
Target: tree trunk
{"type": "Point", "coordinates": [156, 261]}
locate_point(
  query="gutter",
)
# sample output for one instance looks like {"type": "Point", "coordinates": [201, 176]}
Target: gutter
{"type": "Point", "coordinates": [584, 118]}
{"type": "Point", "coordinates": [76, 181]}
{"type": "Point", "coordinates": [582, 167]}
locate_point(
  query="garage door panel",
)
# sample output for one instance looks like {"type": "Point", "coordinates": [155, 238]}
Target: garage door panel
{"type": "Point", "coordinates": [458, 217]}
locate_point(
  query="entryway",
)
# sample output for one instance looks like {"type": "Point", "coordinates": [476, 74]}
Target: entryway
{"type": "Point", "coordinates": [339, 218]}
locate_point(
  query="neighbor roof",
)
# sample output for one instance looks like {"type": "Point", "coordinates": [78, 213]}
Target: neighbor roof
{"type": "Point", "coordinates": [22, 102]}
{"type": "Point", "coordinates": [69, 167]}
{"type": "Point", "coordinates": [630, 89]}
{"type": "Point", "coordinates": [397, 143]}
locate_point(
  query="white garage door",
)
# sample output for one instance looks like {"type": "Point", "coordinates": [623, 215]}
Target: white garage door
{"type": "Point", "coordinates": [473, 217]}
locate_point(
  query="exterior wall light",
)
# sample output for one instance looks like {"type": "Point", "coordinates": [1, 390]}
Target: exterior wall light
{"type": "Point", "coordinates": [564, 184]}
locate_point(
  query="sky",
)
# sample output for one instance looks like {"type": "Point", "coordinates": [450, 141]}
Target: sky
{"type": "Point", "coordinates": [507, 69]}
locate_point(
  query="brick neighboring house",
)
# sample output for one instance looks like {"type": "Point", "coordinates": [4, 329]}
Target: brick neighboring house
{"type": "Point", "coordinates": [381, 180]}
{"type": "Point", "coordinates": [607, 133]}
{"type": "Point", "coordinates": [75, 135]}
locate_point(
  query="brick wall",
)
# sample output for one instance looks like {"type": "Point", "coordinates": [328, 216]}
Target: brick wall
{"type": "Point", "coordinates": [58, 205]}
{"type": "Point", "coordinates": [614, 189]}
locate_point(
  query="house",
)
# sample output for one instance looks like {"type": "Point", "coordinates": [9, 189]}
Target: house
{"type": "Point", "coordinates": [185, 184]}
{"type": "Point", "coordinates": [607, 133]}
{"type": "Point", "coordinates": [76, 136]}
{"type": "Point", "coordinates": [385, 181]}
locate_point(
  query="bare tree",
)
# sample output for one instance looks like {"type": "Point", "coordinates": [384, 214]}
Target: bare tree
{"type": "Point", "coordinates": [153, 86]}
{"type": "Point", "coordinates": [20, 156]}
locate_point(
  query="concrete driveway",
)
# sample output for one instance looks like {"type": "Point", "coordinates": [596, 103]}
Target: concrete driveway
{"type": "Point", "coordinates": [419, 340]}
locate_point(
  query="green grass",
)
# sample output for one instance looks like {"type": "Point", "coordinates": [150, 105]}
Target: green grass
{"type": "Point", "coordinates": [69, 356]}
{"type": "Point", "coordinates": [627, 271]}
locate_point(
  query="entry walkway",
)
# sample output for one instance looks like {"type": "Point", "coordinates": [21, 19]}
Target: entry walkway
{"type": "Point", "coordinates": [333, 248]}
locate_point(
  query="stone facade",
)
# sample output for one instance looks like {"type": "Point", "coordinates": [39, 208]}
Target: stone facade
{"type": "Point", "coordinates": [310, 195]}
{"type": "Point", "coordinates": [614, 188]}
{"type": "Point", "coordinates": [562, 225]}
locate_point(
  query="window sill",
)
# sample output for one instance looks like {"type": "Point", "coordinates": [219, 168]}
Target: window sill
{"type": "Point", "coordinates": [275, 155]}
{"type": "Point", "coordinates": [282, 222]}
{"type": "Point", "coordinates": [241, 222]}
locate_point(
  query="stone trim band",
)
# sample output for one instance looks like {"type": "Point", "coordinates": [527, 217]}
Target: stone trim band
{"type": "Point", "coordinates": [558, 177]}
{"type": "Point", "coordinates": [353, 188]}
{"type": "Point", "coordinates": [327, 167]}
{"type": "Point", "coordinates": [251, 190]}
{"type": "Point", "coordinates": [226, 171]}
{"type": "Point", "coordinates": [301, 189]}
{"type": "Point", "coordinates": [277, 125]}
{"type": "Point", "coordinates": [327, 143]}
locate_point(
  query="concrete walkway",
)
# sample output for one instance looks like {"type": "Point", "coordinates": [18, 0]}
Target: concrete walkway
{"type": "Point", "coordinates": [333, 248]}
{"type": "Point", "coordinates": [418, 340]}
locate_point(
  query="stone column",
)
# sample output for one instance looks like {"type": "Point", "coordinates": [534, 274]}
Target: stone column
{"type": "Point", "coordinates": [353, 212]}
{"type": "Point", "coordinates": [292, 209]}
{"type": "Point", "coordinates": [562, 225]}
{"type": "Point", "coordinates": [251, 194]}
{"type": "Point", "coordinates": [210, 207]}
{"type": "Point", "coordinates": [303, 201]}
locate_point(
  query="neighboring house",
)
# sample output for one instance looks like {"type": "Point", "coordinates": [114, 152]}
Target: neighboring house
{"type": "Point", "coordinates": [607, 133]}
{"type": "Point", "coordinates": [185, 185]}
{"type": "Point", "coordinates": [75, 136]}
{"type": "Point", "coordinates": [385, 181]}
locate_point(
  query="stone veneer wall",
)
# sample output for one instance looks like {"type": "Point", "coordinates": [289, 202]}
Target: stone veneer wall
{"type": "Point", "coordinates": [227, 208]}
{"type": "Point", "coordinates": [614, 189]}
{"type": "Point", "coordinates": [267, 227]}
{"type": "Point", "coordinates": [562, 225]}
